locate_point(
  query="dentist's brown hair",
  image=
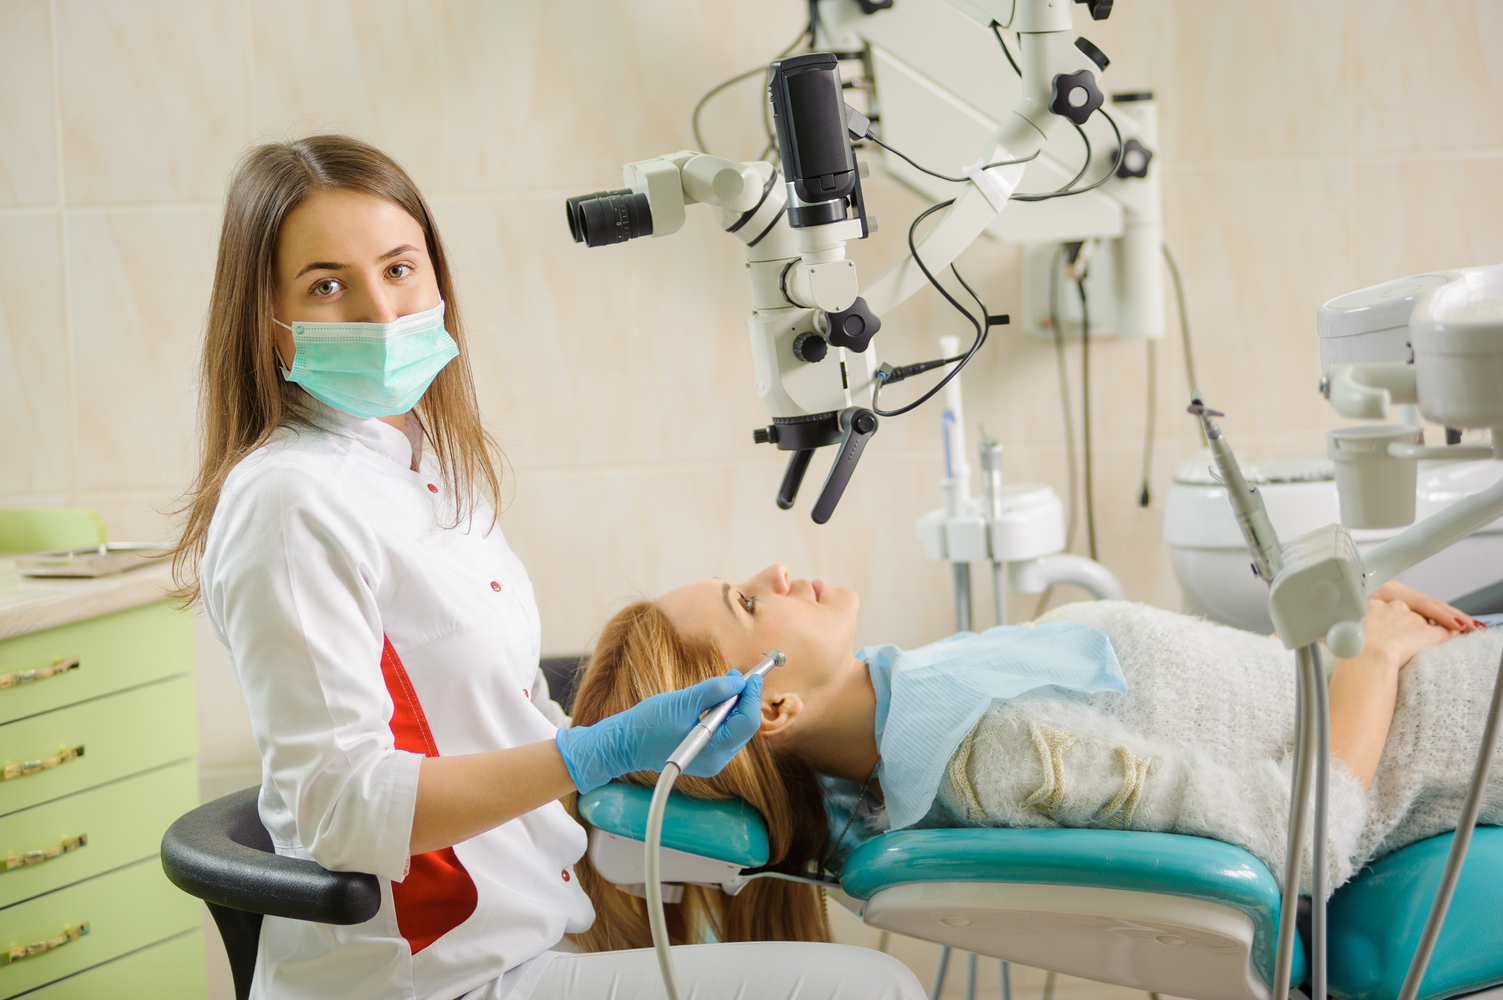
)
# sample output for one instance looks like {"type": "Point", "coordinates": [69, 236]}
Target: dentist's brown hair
{"type": "Point", "coordinates": [242, 396]}
{"type": "Point", "coordinates": [640, 654]}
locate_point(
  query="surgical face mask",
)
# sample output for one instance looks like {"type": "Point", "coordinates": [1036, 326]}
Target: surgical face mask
{"type": "Point", "coordinates": [371, 369]}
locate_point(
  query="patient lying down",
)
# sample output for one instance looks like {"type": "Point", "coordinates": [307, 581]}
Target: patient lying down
{"type": "Point", "coordinates": [1030, 726]}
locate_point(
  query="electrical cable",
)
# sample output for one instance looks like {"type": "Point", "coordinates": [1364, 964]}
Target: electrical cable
{"type": "Point", "coordinates": [1184, 320]}
{"type": "Point", "coordinates": [657, 920]}
{"type": "Point", "coordinates": [1184, 330]}
{"type": "Point", "coordinates": [1145, 498]}
{"type": "Point", "coordinates": [699, 142]}
{"type": "Point", "coordinates": [946, 177]}
{"type": "Point", "coordinates": [1085, 413]}
{"type": "Point", "coordinates": [997, 30]}
{"type": "Point", "coordinates": [1299, 815]}
{"type": "Point", "coordinates": [1068, 189]}
{"type": "Point", "coordinates": [1318, 884]}
{"type": "Point", "coordinates": [1066, 411]}
{"type": "Point", "coordinates": [886, 373]}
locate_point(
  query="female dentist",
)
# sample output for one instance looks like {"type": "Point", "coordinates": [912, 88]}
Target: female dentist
{"type": "Point", "coordinates": [342, 537]}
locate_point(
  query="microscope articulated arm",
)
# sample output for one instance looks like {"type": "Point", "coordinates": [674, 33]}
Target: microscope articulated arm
{"type": "Point", "coordinates": [1019, 137]}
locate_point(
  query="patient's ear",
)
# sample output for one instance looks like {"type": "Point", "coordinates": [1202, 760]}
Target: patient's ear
{"type": "Point", "coordinates": [779, 713]}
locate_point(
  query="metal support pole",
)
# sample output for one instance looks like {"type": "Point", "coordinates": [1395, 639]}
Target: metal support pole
{"type": "Point", "coordinates": [991, 495]}
{"type": "Point", "coordinates": [962, 575]}
{"type": "Point", "coordinates": [940, 968]}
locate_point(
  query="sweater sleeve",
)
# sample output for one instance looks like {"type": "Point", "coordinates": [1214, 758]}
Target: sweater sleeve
{"type": "Point", "coordinates": [1049, 761]}
{"type": "Point", "coordinates": [289, 580]}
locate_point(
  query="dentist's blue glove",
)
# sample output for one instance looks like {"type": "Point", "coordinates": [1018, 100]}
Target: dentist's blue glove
{"type": "Point", "coordinates": [642, 737]}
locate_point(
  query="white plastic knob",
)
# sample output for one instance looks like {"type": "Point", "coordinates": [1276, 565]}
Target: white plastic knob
{"type": "Point", "coordinates": [1345, 639]}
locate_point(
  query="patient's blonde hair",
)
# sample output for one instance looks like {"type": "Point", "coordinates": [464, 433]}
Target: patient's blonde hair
{"type": "Point", "coordinates": [640, 654]}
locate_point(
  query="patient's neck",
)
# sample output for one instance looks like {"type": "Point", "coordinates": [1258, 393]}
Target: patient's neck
{"type": "Point", "coordinates": [837, 733]}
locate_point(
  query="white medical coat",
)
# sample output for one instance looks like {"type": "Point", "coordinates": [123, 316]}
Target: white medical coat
{"type": "Point", "coordinates": [365, 635]}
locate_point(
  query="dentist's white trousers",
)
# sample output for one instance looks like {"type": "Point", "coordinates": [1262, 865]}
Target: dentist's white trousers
{"type": "Point", "coordinates": [754, 970]}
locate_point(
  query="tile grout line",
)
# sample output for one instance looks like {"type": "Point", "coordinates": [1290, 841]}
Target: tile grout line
{"type": "Point", "coordinates": [248, 53]}
{"type": "Point", "coordinates": [1351, 139]}
{"type": "Point", "coordinates": [63, 250]}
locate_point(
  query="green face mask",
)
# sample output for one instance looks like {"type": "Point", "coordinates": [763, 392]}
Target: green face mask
{"type": "Point", "coordinates": [371, 369]}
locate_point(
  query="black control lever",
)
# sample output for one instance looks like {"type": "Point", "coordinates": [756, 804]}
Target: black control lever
{"type": "Point", "coordinates": [857, 425]}
{"type": "Point", "coordinates": [798, 464]}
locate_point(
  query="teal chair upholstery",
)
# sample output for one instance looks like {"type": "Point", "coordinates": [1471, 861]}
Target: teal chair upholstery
{"type": "Point", "coordinates": [1376, 920]}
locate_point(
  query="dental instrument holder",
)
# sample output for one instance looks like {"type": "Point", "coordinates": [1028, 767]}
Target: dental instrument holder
{"type": "Point", "coordinates": [1018, 529]}
{"type": "Point", "coordinates": [1315, 592]}
{"type": "Point", "coordinates": [677, 761]}
{"type": "Point", "coordinates": [1455, 379]}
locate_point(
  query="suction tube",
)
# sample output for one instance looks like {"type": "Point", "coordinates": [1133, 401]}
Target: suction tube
{"type": "Point", "coordinates": [657, 920]}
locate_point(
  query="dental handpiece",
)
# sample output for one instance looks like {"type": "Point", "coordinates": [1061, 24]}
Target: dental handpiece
{"type": "Point", "coordinates": [711, 720]}
{"type": "Point", "coordinates": [1247, 502]}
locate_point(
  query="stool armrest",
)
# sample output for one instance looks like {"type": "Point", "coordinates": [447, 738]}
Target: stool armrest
{"type": "Point", "coordinates": [220, 853]}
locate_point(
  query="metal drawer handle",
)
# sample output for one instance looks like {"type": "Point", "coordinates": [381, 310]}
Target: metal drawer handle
{"type": "Point", "coordinates": [19, 677]}
{"type": "Point", "coordinates": [28, 858]}
{"type": "Point", "coordinates": [69, 935]}
{"type": "Point", "coordinates": [33, 766]}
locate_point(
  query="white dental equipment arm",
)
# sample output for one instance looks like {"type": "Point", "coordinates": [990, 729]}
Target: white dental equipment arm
{"type": "Point", "coordinates": [677, 761]}
{"type": "Point", "coordinates": [812, 324]}
{"type": "Point", "coordinates": [1319, 582]}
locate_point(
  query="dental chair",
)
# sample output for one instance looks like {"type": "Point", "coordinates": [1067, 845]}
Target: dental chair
{"type": "Point", "coordinates": [1159, 912]}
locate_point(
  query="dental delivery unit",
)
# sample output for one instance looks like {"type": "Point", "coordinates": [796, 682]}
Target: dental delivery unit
{"type": "Point", "coordinates": [1161, 912]}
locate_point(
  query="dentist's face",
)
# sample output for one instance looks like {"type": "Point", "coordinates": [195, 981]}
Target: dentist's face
{"type": "Point", "coordinates": [811, 622]}
{"type": "Point", "coordinates": [350, 257]}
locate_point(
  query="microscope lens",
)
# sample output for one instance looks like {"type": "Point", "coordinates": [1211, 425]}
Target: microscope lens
{"type": "Point", "coordinates": [614, 218]}
{"type": "Point", "coordinates": [572, 206]}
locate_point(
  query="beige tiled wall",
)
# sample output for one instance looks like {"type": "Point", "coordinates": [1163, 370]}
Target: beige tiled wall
{"type": "Point", "coordinates": [1307, 149]}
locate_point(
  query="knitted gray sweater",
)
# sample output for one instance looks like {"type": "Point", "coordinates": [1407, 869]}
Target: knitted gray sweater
{"type": "Point", "coordinates": [1201, 744]}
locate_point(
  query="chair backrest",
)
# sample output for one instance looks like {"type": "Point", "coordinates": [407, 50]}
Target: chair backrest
{"type": "Point", "coordinates": [563, 674]}
{"type": "Point", "coordinates": [43, 529]}
{"type": "Point", "coordinates": [222, 854]}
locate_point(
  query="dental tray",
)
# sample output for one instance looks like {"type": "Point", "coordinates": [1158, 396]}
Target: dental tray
{"type": "Point", "coordinates": [90, 561]}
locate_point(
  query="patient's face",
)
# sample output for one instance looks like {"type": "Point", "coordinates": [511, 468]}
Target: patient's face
{"type": "Point", "coordinates": [811, 622]}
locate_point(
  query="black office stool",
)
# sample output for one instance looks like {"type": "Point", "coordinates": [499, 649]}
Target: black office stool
{"type": "Point", "coordinates": [222, 854]}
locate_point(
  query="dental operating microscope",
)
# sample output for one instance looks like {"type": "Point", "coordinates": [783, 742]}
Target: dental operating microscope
{"type": "Point", "coordinates": [931, 70]}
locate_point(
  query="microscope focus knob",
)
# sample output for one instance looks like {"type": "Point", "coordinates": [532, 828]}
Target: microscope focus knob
{"type": "Point", "coordinates": [1100, 9]}
{"type": "Point", "coordinates": [1135, 159]}
{"type": "Point", "coordinates": [855, 327]}
{"type": "Point", "coordinates": [810, 347]}
{"type": "Point", "coordinates": [1076, 96]}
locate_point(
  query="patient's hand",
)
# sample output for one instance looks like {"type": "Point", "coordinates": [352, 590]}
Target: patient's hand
{"type": "Point", "coordinates": [1395, 632]}
{"type": "Point", "coordinates": [1438, 612]}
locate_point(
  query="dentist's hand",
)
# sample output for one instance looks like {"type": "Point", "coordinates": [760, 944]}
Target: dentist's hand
{"type": "Point", "coordinates": [642, 737]}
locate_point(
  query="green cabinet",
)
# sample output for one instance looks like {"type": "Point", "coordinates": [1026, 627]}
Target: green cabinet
{"type": "Point", "coordinates": [97, 740]}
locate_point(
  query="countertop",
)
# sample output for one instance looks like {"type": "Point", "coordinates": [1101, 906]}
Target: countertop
{"type": "Point", "coordinates": [30, 604]}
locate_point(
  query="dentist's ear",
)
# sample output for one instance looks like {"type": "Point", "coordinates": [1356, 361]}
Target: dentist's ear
{"type": "Point", "coordinates": [778, 713]}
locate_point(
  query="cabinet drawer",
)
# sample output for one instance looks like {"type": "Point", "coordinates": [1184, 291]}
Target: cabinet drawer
{"type": "Point", "coordinates": [125, 910]}
{"type": "Point", "coordinates": [123, 734]}
{"type": "Point", "coordinates": [172, 970]}
{"type": "Point", "coordinates": [122, 821]}
{"type": "Point", "coordinates": [114, 652]}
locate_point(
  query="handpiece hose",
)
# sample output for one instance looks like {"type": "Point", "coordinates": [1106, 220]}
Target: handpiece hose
{"type": "Point", "coordinates": [677, 761]}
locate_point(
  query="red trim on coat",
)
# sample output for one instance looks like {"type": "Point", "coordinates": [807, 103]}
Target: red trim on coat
{"type": "Point", "coordinates": [438, 894]}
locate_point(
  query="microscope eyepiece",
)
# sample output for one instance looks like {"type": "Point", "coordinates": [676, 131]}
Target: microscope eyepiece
{"type": "Point", "coordinates": [605, 217]}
